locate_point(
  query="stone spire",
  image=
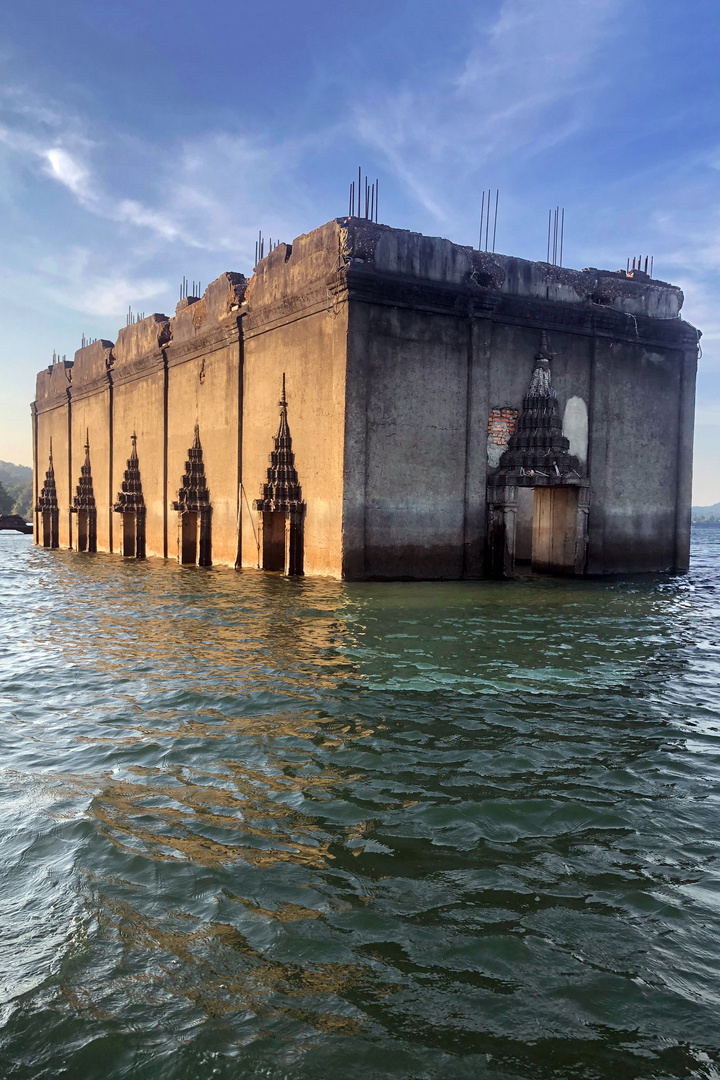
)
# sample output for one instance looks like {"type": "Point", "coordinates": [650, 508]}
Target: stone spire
{"type": "Point", "coordinates": [84, 498]}
{"type": "Point", "coordinates": [538, 446]}
{"type": "Point", "coordinates": [131, 496]}
{"type": "Point", "coordinates": [193, 494]}
{"type": "Point", "coordinates": [281, 491]}
{"type": "Point", "coordinates": [48, 494]}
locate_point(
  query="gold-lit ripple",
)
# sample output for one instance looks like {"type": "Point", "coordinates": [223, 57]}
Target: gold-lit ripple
{"type": "Point", "coordinates": [118, 807]}
{"type": "Point", "coordinates": [210, 978]}
{"type": "Point", "coordinates": [285, 912]}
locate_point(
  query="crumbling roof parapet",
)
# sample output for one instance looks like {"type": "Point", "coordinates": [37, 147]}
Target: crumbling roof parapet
{"type": "Point", "coordinates": [141, 340]}
{"type": "Point", "coordinates": [432, 258]}
{"type": "Point", "coordinates": [222, 299]}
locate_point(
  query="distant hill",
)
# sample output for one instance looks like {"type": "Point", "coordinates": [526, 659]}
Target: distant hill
{"type": "Point", "coordinates": [14, 474]}
{"type": "Point", "coordinates": [706, 515]}
{"type": "Point", "coordinates": [16, 496]}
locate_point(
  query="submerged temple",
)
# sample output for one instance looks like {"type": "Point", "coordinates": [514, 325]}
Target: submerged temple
{"type": "Point", "coordinates": [454, 414]}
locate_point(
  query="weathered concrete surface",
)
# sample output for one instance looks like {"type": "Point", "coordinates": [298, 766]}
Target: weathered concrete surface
{"type": "Point", "coordinates": [204, 388]}
{"type": "Point", "coordinates": [637, 452]}
{"type": "Point", "coordinates": [293, 323]}
{"type": "Point", "coordinates": [415, 444]}
{"type": "Point", "coordinates": [139, 408]}
{"type": "Point", "coordinates": [398, 350]}
{"type": "Point", "coordinates": [52, 428]}
{"type": "Point", "coordinates": [90, 398]}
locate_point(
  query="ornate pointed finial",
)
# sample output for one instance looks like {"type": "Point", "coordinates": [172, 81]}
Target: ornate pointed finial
{"type": "Point", "coordinates": [87, 440]}
{"type": "Point", "coordinates": [544, 354]}
{"type": "Point", "coordinates": [51, 460]}
{"type": "Point", "coordinates": [196, 440]}
{"type": "Point", "coordinates": [281, 491]}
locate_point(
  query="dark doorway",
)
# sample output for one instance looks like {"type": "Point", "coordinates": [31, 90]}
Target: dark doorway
{"type": "Point", "coordinates": [188, 538]}
{"type": "Point", "coordinates": [50, 528]}
{"type": "Point", "coordinates": [273, 540]}
{"type": "Point", "coordinates": [128, 548]}
{"type": "Point", "coordinates": [82, 530]}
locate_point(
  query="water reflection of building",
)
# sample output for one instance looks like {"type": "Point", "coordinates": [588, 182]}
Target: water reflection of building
{"type": "Point", "coordinates": [445, 413]}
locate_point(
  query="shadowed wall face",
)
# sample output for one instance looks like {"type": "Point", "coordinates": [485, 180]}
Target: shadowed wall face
{"type": "Point", "coordinates": [416, 444]}
{"type": "Point", "coordinates": [442, 346]}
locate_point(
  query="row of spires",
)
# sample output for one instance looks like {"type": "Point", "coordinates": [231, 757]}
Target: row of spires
{"type": "Point", "coordinates": [536, 445]}
{"type": "Point", "coordinates": [281, 490]}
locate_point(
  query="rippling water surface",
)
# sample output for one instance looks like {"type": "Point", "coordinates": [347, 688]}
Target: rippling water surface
{"type": "Point", "coordinates": [256, 827]}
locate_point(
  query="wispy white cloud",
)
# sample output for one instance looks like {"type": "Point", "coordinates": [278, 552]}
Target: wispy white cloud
{"type": "Point", "coordinates": [67, 169]}
{"type": "Point", "coordinates": [111, 296]}
{"type": "Point", "coordinates": [75, 281]}
{"type": "Point", "coordinates": [525, 86]}
{"type": "Point", "coordinates": [200, 192]}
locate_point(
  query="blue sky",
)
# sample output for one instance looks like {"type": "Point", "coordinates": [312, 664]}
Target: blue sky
{"type": "Point", "coordinates": [143, 141]}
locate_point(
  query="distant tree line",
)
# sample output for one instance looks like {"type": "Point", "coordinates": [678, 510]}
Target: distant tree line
{"type": "Point", "coordinates": [17, 499]}
{"type": "Point", "coordinates": [16, 490]}
{"type": "Point", "coordinates": [706, 515]}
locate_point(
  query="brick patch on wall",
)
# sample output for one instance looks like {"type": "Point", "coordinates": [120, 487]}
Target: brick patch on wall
{"type": "Point", "coordinates": [501, 425]}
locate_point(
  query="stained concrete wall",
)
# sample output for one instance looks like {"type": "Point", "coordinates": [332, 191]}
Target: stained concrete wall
{"type": "Point", "coordinates": [293, 324]}
{"type": "Point", "coordinates": [204, 388]}
{"type": "Point", "coordinates": [415, 374]}
{"type": "Point", "coordinates": [419, 397]}
{"type": "Point", "coordinates": [52, 406]}
{"type": "Point", "coordinates": [91, 397]}
{"type": "Point", "coordinates": [636, 445]}
{"type": "Point", "coordinates": [424, 385]}
{"type": "Point", "coordinates": [139, 408]}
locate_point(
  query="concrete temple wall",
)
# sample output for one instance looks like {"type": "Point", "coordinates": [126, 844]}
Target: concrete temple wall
{"type": "Point", "coordinates": [52, 422]}
{"type": "Point", "coordinates": [205, 388]}
{"type": "Point", "coordinates": [406, 361]}
{"type": "Point", "coordinates": [409, 443]}
{"type": "Point", "coordinates": [442, 339]}
{"type": "Point", "coordinates": [295, 325]}
{"type": "Point", "coordinates": [640, 454]}
{"type": "Point", "coordinates": [90, 395]}
{"type": "Point", "coordinates": [139, 408]}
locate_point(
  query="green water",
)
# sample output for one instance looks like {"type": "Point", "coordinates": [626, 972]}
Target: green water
{"type": "Point", "coordinates": [256, 827]}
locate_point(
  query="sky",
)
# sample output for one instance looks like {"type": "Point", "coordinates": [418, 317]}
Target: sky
{"type": "Point", "coordinates": [140, 142]}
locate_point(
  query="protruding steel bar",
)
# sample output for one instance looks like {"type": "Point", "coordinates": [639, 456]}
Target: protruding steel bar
{"type": "Point", "coordinates": [487, 222]}
{"type": "Point", "coordinates": [497, 196]}
{"type": "Point", "coordinates": [482, 220]}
